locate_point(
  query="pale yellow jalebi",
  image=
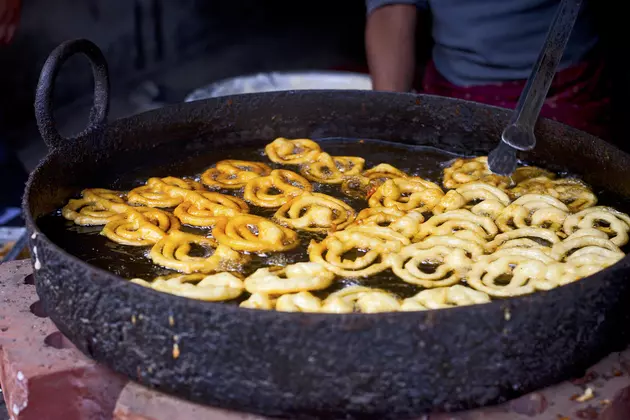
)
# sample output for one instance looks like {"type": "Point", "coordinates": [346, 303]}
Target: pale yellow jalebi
{"type": "Point", "coordinates": [463, 240]}
{"type": "Point", "coordinates": [444, 297]}
{"type": "Point", "coordinates": [233, 174]}
{"type": "Point", "coordinates": [140, 226]}
{"type": "Point", "coordinates": [293, 278]}
{"type": "Point", "coordinates": [174, 252]}
{"type": "Point", "coordinates": [360, 299]}
{"type": "Point", "coordinates": [581, 240]}
{"type": "Point", "coordinates": [481, 199]}
{"type": "Point", "coordinates": [275, 189]}
{"type": "Point", "coordinates": [362, 186]}
{"type": "Point", "coordinates": [397, 220]}
{"type": "Point", "coordinates": [407, 194]}
{"type": "Point", "coordinates": [259, 301]}
{"type": "Point", "coordinates": [370, 245]}
{"type": "Point", "coordinates": [94, 208]}
{"type": "Point", "coordinates": [572, 192]}
{"type": "Point", "coordinates": [465, 171]}
{"type": "Point", "coordinates": [512, 272]}
{"type": "Point", "coordinates": [211, 288]}
{"type": "Point", "coordinates": [457, 220]}
{"type": "Point", "coordinates": [299, 302]}
{"type": "Point", "coordinates": [437, 266]}
{"type": "Point", "coordinates": [156, 192]}
{"type": "Point", "coordinates": [527, 237]}
{"type": "Point", "coordinates": [292, 152]}
{"type": "Point", "coordinates": [328, 169]}
{"type": "Point", "coordinates": [203, 208]}
{"type": "Point", "coordinates": [315, 212]}
{"type": "Point", "coordinates": [246, 232]}
{"type": "Point", "coordinates": [606, 219]}
{"type": "Point", "coordinates": [533, 210]}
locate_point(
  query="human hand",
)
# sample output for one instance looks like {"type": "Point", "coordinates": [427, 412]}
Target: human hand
{"type": "Point", "coordinates": [9, 18]}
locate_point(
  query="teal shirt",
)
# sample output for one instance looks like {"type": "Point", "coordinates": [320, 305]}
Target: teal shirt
{"type": "Point", "coordinates": [488, 41]}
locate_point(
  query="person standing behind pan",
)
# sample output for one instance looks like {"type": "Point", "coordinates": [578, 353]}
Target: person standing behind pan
{"type": "Point", "coordinates": [484, 51]}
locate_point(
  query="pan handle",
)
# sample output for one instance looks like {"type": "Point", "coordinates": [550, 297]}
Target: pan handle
{"type": "Point", "coordinates": [46, 87]}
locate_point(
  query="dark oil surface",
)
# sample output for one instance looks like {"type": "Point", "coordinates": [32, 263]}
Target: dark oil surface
{"type": "Point", "coordinates": [128, 261]}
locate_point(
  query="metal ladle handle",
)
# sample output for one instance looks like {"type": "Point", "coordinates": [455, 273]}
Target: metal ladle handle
{"type": "Point", "coordinates": [519, 133]}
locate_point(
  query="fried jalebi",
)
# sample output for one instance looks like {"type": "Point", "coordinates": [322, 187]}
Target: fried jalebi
{"type": "Point", "coordinates": [589, 239]}
{"type": "Point", "coordinates": [328, 169]}
{"type": "Point", "coordinates": [94, 208]}
{"type": "Point", "coordinates": [527, 237]}
{"type": "Point", "coordinates": [472, 248]}
{"type": "Point", "coordinates": [361, 299]}
{"type": "Point", "coordinates": [315, 212]}
{"type": "Point", "coordinates": [140, 226]}
{"type": "Point", "coordinates": [156, 192]}
{"type": "Point", "coordinates": [378, 216]}
{"type": "Point", "coordinates": [370, 246]}
{"type": "Point", "coordinates": [299, 302]}
{"type": "Point", "coordinates": [233, 174]}
{"type": "Point", "coordinates": [512, 272]}
{"type": "Point", "coordinates": [572, 192]}
{"type": "Point", "coordinates": [293, 278]}
{"type": "Point", "coordinates": [444, 297]}
{"type": "Point", "coordinates": [458, 220]}
{"type": "Point", "coordinates": [212, 288]}
{"type": "Point", "coordinates": [533, 210]}
{"type": "Point", "coordinates": [362, 186]}
{"type": "Point", "coordinates": [606, 219]}
{"type": "Point", "coordinates": [407, 194]}
{"type": "Point", "coordinates": [275, 189]}
{"type": "Point", "coordinates": [246, 232]}
{"type": "Point", "coordinates": [437, 266]}
{"type": "Point", "coordinates": [292, 152]}
{"type": "Point", "coordinates": [174, 252]}
{"type": "Point", "coordinates": [203, 208]}
{"type": "Point", "coordinates": [259, 301]}
{"type": "Point", "coordinates": [465, 171]}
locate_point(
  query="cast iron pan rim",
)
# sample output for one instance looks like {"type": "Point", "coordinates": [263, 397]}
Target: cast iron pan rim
{"type": "Point", "coordinates": [214, 102]}
{"type": "Point", "coordinates": [194, 304]}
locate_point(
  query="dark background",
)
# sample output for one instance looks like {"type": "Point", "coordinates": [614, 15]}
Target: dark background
{"type": "Point", "coordinates": [185, 44]}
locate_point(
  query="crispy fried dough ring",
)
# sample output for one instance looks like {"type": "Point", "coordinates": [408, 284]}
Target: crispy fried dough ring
{"type": "Point", "coordinates": [328, 169]}
{"type": "Point", "coordinates": [458, 220]}
{"type": "Point", "coordinates": [618, 224]}
{"type": "Point", "coordinates": [449, 265]}
{"type": "Point", "coordinates": [246, 232]}
{"type": "Point", "coordinates": [292, 152]}
{"type": "Point", "coordinates": [361, 299]}
{"type": "Point", "coordinates": [315, 212]}
{"type": "Point", "coordinates": [140, 226]}
{"type": "Point", "coordinates": [173, 251]}
{"type": "Point", "coordinates": [444, 297]}
{"type": "Point", "coordinates": [407, 194]}
{"type": "Point", "coordinates": [288, 185]}
{"type": "Point", "coordinates": [233, 174]}
{"type": "Point", "coordinates": [293, 278]}
{"type": "Point", "coordinates": [157, 192]}
{"type": "Point", "coordinates": [205, 207]}
{"type": "Point", "coordinates": [212, 288]}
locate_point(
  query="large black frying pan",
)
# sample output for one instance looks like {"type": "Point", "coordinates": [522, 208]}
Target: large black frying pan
{"type": "Point", "coordinates": [297, 365]}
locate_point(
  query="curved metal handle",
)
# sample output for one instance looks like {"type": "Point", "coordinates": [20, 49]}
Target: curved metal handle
{"type": "Point", "coordinates": [46, 86]}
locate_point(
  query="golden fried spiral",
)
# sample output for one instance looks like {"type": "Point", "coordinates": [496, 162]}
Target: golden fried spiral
{"type": "Point", "coordinates": [471, 247]}
{"type": "Point", "coordinates": [328, 169]}
{"type": "Point", "coordinates": [158, 192]}
{"type": "Point", "coordinates": [361, 299]}
{"type": "Point", "coordinates": [378, 216]}
{"type": "Point", "coordinates": [533, 210]}
{"type": "Point", "coordinates": [465, 171]}
{"type": "Point", "coordinates": [174, 252]}
{"type": "Point", "coordinates": [407, 194]}
{"type": "Point", "coordinates": [293, 278]}
{"type": "Point", "coordinates": [437, 266]}
{"type": "Point", "coordinates": [458, 220]}
{"type": "Point", "coordinates": [292, 152]}
{"type": "Point", "coordinates": [370, 244]}
{"type": "Point", "coordinates": [140, 226]}
{"type": "Point", "coordinates": [299, 302]}
{"type": "Point", "coordinates": [572, 192]}
{"type": "Point", "coordinates": [259, 301]}
{"type": "Point", "coordinates": [444, 297]}
{"type": "Point", "coordinates": [589, 239]}
{"type": "Point", "coordinates": [212, 288]}
{"type": "Point", "coordinates": [606, 219]}
{"type": "Point", "coordinates": [203, 208]}
{"type": "Point", "coordinates": [363, 186]}
{"type": "Point", "coordinates": [246, 232]}
{"type": "Point", "coordinates": [315, 212]}
{"type": "Point", "coordinates": [512, 272]}
{"type": "Point", "coordinates": [233, 174]}
{"type": "Point", "coordinates": [542, 239]}
{"type": "Point", "coordinates": [275, 189]}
